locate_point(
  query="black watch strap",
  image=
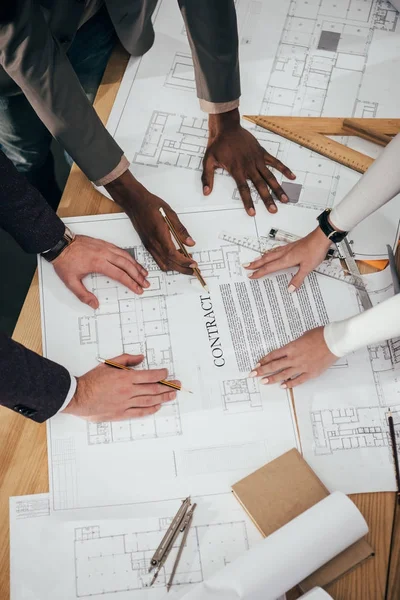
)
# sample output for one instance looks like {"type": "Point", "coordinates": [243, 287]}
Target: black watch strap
{"type": "Point", "coordinates": [67, 239]}
{"type": "Point", "coordinates": [330, 232]}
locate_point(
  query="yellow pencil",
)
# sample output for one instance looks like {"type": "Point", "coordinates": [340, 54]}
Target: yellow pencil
{"type": "Point", "coordinates": [182, 247]}
{"type": "Point", "coordinates": [169, 384]}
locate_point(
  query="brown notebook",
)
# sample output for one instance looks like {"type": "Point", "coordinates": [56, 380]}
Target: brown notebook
{"type": "Point", "coordinates": [284, 489]}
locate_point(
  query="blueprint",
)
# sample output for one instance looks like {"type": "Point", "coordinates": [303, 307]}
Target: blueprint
{"type": "Point", "coordinates": [230, 425]}
{"type": "Point", "coordinates": [342, 415]}
{"type": "Point", "coordinates": [322, 58]}
{"type": "Point", "coordinates": [106, 552]}
{"type": "Point", "coordinates": [201, 442]}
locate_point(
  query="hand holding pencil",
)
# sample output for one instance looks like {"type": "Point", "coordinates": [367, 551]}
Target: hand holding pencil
{"type": "Point", "coordinates": [115, 394]}
{"type": "Point", "coordinates": [182, 248]}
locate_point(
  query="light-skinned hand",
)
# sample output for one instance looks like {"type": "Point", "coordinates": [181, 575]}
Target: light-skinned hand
{"type": "Point", "coordinates": [307, 253]}
{"type": "Point", "coordinates": [300, 360]}
{"type": "Point", "coordinates": [89, 255]}
{"type": "Point", "coordinates": [109, 394]}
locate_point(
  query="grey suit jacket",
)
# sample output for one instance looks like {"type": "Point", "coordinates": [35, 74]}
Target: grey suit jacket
{"type": "Point", "coordinates": [33, 56]}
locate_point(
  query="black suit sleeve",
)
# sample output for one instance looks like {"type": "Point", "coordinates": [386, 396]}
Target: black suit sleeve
{"type": "Point", "coordinates": [30, 384]}
{"type": "Point", "coordinates": [24, 213]}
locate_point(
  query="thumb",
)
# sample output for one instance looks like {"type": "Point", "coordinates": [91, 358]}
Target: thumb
{"type": "Point", "coordinates": [181, 230]}
{"type": "Point", "coordinates": [76, 286]}
{"type": "Point", "coordinates": [129, 360]}
{"type": "Point", "coordinates": [297, 281]}
{"type": "Point", "coordinates": [207, 178]}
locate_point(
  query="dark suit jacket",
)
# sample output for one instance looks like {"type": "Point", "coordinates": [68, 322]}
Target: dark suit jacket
{"type": "Point", "coordinates": [33, 56]}
{"type": "Point", "coordinates": [29, 384]}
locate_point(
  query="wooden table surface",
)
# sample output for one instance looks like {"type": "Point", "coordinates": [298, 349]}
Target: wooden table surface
{"type": "Point", "coordinates": [23, 467]}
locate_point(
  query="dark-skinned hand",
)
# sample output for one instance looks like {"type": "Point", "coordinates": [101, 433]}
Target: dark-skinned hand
{"type": "Point", "coordinates": [233, 148]}
{"type": "Point", "coordinates": [142, 208]}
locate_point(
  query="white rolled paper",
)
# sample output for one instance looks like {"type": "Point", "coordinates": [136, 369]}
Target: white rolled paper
{"type": "Point", "coordinates": [317, 593]}
{"type": "Point", "coordinates": [289, 555]}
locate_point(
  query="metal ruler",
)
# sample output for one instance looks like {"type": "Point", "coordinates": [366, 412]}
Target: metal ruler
{"type": "Point", "coordinates": [331, 268]}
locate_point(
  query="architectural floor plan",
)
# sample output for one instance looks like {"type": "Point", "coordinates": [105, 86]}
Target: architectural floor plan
{"type": "Point", "coordinates": [321, 59]}
{"type": "Point", "coordinates": [345, 415]}
{"type": "Point", "coordinates": [106, 552]}
{"type": "Point", "coordinates": [177, 325]}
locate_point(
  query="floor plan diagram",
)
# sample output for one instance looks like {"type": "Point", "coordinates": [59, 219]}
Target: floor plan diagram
{"type": "Point", "coordinates": [350, 428]}
{"type": "Point", "coordinates": [123, 560]}
{"type": "Point", "coordinates": [240, 395]}
{"type": "Point", "coordinates": [323, 56]}
{"type": "Point", "coordinates": [140, 326]}
{"type": "Point", "coordinates": [105, 552]}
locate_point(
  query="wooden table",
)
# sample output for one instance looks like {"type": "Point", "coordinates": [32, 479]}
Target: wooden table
{"type": "Point", "coordinates": [23, 468]}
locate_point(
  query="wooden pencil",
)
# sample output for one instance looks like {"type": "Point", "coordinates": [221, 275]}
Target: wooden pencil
{"type": "Point", "coordinates": [169, 384]}
{"type": "Point", "coordinates": [182, 247]}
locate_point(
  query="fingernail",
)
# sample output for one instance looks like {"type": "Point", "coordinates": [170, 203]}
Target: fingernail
{"type": "Point", "coordinates": [250, 275]}
{"type": "Point", "coordinates": [190, 240]}
{"type": "Point", "coordinates": [292, 175]}
{"type": "Point", "coordinates": [264, 381]}
{"type": "Point", "coordinates": [252, 212]}
{"type": "Point", "coordinates": [245, 265]}
{"type": "Point", "coordinates": [291, 289]}
{"type": "Point", "coordinates": [193, 265]}
{"type": "Point", "coordinates": [284, 198]}
{"type": "Point", "coordinates": [273, 208]}
{"type": "Point", "coordinates": [206, 189]}
{"type": "Point", "coordinates": [257, 365]}
{"type": "Point", "coordinates": [93, 304]}
{"type": "Point", "coordinates": [253, 374]}
{"type": "Point", "coordinates": [146, 283]}
{"type": "Point", "coordinates": [172, 396]}
{"type": "Point", "coordinates": [283, 386]}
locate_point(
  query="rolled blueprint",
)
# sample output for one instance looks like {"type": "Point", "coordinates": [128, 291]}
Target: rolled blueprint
{"type": "Point", "coordinates": [289, 555]}
{"type": "Point", "coordinates": [317, 593]}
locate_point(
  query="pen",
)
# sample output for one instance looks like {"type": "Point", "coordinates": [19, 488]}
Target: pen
{"type": "Point", "coordinates": [182, 247]}
{"type": "Point", "coordinates": [169, 384]}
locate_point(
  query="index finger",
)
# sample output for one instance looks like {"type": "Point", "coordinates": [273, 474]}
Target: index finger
{"type": "Point", "coordinates": [128, 256]}
{"type": "Point", "coordinates": [268, 257]}
{"type": "Point", "coordinates": [168, 257]}
{"type": "Point", "coordinates": [149, 375]}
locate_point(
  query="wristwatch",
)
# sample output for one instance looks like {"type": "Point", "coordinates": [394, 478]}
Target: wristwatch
{"type": "Point", "coordinates": [67, 239]}
{"type": "Point", "coordinates": [330, 232]}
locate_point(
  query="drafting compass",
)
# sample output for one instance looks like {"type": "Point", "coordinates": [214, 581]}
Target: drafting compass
{"type": "Point", "coordinates": [180, 524]}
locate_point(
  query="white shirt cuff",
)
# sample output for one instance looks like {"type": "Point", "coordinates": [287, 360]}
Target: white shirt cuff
{"type": "Point", "coordinates": [216, 108]}
{"type": "Point", "coordinates": [71, 392]}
